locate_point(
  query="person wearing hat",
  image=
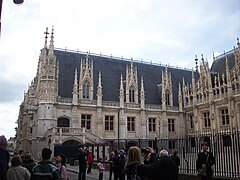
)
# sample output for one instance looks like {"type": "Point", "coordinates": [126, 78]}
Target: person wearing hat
{"type": "Point", "coordinates": [4, 157]}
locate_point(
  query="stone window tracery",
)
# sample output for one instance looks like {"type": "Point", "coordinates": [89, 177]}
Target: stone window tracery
{"type": "Point", "coordinates": [86, 90]}
{"type": "Point", "coordinates": [131, 94]}
{"type": "Point", "coordinates": [109, 123]}
{"type": "Point", "coordinates": [152, 124]}
{"type": "Point", "coordinates": [86, 121]}
{"type": "Point", "coordinates": [130, 123]}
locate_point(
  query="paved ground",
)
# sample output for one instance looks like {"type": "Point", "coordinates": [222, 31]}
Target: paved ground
{"type": "Point", "coordinates": [90, 176]}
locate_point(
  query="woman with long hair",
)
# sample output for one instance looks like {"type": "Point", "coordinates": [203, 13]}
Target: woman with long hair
{"type": "Point", "coordinates": [61, 164]}
{"type": "Point", "coordinates": [134, 159]}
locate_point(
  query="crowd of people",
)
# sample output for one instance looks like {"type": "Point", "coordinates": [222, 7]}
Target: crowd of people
{"type": "Point", "coordinates": [135, 164]}
{"type": "Point", "coordinates": [23, 167]}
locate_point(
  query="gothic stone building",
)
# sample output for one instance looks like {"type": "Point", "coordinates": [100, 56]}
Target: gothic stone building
{"type": "Point", "coordinates": [89, 98]}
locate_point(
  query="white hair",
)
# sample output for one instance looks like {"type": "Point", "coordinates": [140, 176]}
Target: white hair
{"type": "Point", "coordinates": [163, 153]}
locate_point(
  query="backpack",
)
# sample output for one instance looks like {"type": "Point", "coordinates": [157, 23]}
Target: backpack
{"type": "Point", "coordinates": [61, 172]}
{"type": "Point", "coordinates": [46, 174]}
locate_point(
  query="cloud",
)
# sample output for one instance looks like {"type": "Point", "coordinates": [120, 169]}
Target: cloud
{"type": "Point", "coordinates": [8, 117]}
{"type": "Point", "coordinates": [166, 32]}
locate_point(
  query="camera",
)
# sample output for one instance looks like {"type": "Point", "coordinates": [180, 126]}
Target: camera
{"type": "Point", "coordinates": [144, 151]}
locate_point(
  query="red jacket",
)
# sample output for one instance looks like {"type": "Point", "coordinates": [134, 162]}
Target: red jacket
{"type": "Point", "coordinates": [89, 158]}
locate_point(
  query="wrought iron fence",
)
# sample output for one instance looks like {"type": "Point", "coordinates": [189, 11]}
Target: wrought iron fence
{"type": "Point", "coordinates": [225, 146]}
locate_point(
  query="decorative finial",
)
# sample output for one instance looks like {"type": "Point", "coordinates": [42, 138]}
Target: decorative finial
{"type": "Point", "coordinates": [46, 36]}
{"type": "Point", "coordinates": [202, 58]}
{"type": "Point", "coordinates": [131, 63]}
{"type": "Point", "coordinates": [238, 42]}
{"type": "Point", "coordinates": [51, 46]}
{"type": "Point", "coordinates": [196, 62]}
{"type": "Point", "coordinates": [213, 55]}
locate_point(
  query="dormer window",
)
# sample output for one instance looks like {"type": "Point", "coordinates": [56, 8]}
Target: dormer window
{"type": "Point", "coordinates": [86, 90]}
{"type": "Point", "coordinates": [167, 98]}
{"type": "Point", "coordinates": [131, 95]}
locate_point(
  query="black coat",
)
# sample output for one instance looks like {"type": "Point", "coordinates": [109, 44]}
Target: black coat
{"type": "Point", "coordinates": [82, 160]}
{"type": "Point", "coordinates": [29, 164]}
{"type": "Point", "coordinates": [164, 169]}
{"type": "Point", "coordinates": [131, 170]}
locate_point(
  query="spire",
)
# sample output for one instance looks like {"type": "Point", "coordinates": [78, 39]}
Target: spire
{"type": "Point", "coordinates": [228, 76]}
{"type": "Point", "coordinates": [99, 84]}
{"type": "Point", "coordinates": [121, 93]}
{"type": "Point", "coordinates": [213, 56]}
{"type": "Point", "coordinates": [238, 42]}
{"type": "Point", "coordinates": [75, 82]}
{"type": "Point", "coordinates": [194, 88]}
{"type": "Point", "coordinates": [196, 62]}
{"type": "Point", "coordinates": [142, 94]}
{"type": "Point", "coordinates": [75, 89]}
{"type": "Point", "coordinates": [131, 64]}
{"type": "Point", "coordinates": [46, 36]}
{"type": "Point", "coordinates": [180, 97]}
{"type": "Point", "coordinates": [51, 46]}
{"type": "Point", "coordinates": [202, 58]}
{"type": "Point", "coordinates": [163, 93]}
{"type": "Point", "coordinates": [99, 90]}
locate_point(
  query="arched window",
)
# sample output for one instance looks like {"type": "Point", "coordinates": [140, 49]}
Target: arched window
{"type": "Point", "coordinates": [131, 94]}
{"type": "Point", "coordinates": [63, 122]}
{"type": "Point", "coordinates": [86, 90]}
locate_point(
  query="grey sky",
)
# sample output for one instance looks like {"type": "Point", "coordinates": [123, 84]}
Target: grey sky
{"type": "Point", "coordinates": [167, 32]}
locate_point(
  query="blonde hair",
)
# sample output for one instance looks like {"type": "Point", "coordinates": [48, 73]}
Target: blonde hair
{"type": "Point", "coordinates": [134, 155]}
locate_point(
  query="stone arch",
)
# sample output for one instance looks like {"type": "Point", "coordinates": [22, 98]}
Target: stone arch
{"type": "Point", "coordinates": [71, 142]}
{"type": "Point", "coordinates": [63, 122]}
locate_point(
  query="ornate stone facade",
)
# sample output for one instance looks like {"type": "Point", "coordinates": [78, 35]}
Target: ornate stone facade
{"type": "Point", "coordinates": [108, 101]}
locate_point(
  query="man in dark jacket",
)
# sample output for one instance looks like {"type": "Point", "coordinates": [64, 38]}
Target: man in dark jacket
{"type": "Point", "coordinates": [116, 165]}
{"type": "Point", "coordinates": [205, 160]}
{"type": "Point", "coordinates": [45, 169]}
{"type": "Point", "coordinates": [176, 159]}
{"type": "Point", "coordinates": [164, 169]}
{"type": "Point", "coordinates": [149, 156]}
{"type": "Point", "coordinates": [28, 162]}
{"type": "Point", "coordinates": [82, 159]}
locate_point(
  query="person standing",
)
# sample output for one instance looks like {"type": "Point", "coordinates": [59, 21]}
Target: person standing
{"type": "Point", "coordinates": [82, 163]}
{"type": "Point", "coordinates": [110, 165]}
{"type": "Point", "coordinates": [28, 162]}
{"type": "Point", "coordinates": [133, 161]}
{"type": "Point", "coordinates": [4, 158]}
{"type": "Point", "coordinates": [116, 165]}
{"type": "Point", "coordinates": [122, 161]}
{"type": "Point", "coordinates": [16, 171]}
{"type": "Point", "coordinates": [149, 156]}
{"type": "Point", "coordinates": [45, 169]}
{"type": "Point", "coordinates": [165, 168]}
{"type": "Point", "coordinates": [90, 162]}
{"type": "Point", "coordinates": [176, 160]}
{"type": "Point", "coordinates": [101, 169]}
{"type": "Point", "coordinates": [61, 165]}
{"type": "Point", "coordinates": [205, 161]}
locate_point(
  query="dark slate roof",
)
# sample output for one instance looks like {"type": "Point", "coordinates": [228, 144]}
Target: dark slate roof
{"type": "Point", "coordinates": [219, 64]}
{"type": "Point", "coordinates": [111, 69]}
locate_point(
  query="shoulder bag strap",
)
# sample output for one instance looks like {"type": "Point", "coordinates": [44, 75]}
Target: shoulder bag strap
{"type": "Point", "coordinates": [207, 158]}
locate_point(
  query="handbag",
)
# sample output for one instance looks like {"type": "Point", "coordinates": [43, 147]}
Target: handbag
{"type": "Point", "coordinates": [203, 171]}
